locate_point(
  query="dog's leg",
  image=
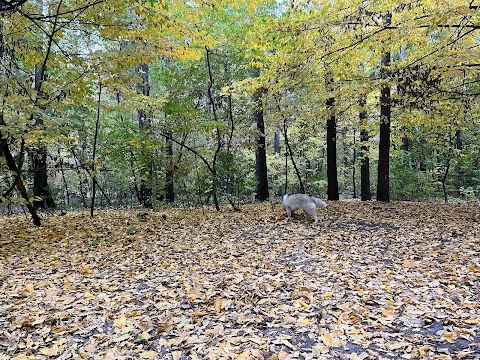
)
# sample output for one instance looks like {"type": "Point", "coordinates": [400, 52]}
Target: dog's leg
{"type": "Point", "coordinates": [311, 209]}
{"type": "Point", "coordinates": [289, 213]}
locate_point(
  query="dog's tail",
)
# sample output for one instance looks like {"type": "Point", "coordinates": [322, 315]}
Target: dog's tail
{"type": "Point", "coordinates": [319, 203]}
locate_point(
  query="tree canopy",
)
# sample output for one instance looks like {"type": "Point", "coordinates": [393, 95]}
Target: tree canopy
{"type": "Point", "coordinates": [156, 99]}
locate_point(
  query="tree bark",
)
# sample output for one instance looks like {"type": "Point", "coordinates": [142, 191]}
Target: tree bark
{"type": "Point", "coordinates": [383, 182]}
{"type": "Point", "coordinates": [260, 149]}
{"type": "Point", "coordinates": [332, 179]}
{"type": "Point", "coordinates": [144, 126]}
{"type": "Point", "coordinates": [365, 193]}
{"type": "Point", "coordinates": [213, 168]}
{"type": "Point", "coordinates": [94, 175]}
{"type": "Point", "coordinates": [169, 189]}
{"type": "Point", "coordinates": [42, 195]}
{"type": "Point", "coordinates": [288, 151]}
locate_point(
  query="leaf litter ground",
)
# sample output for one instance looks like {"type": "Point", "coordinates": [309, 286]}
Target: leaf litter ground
{"type": "Point", "coordinates": [370, 281]}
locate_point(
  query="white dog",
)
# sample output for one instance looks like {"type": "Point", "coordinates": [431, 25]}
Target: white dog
{"type": "Point", "coordinates": [306, 202]}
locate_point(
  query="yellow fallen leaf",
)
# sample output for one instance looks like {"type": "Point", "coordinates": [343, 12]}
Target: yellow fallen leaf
{"type": "Point", "coordinates": [29, 287]}
{"type": "Point", "coordinates": [303, 322]}
{"type": "Point", "coordinates": [24, 357]}
{"type": "Point", "coordinates": [87, 270]}
{"type": "Point", "coordinates": [62, 341]}
{"type": "Point", "coordinates": [198, 313]}
{"type": "Point", "coordinates": [301, 303]}
{"type": "Point", "coordinates": [327, 294]}
{"type": "Point", "coordinates": [218, 305]}
{"type": "Point", "coordinates": [331, 339]}
{"type": "Point", "coordinates": [148, 355]}
{"type": "Point", "coordinates": [120, 321]}
{"type": "Point", "coordinates": [449, 337]}
{"type": "Point", "coordinates": [53, 351]}
{"type": "Point", "coordinates": [244, 355]}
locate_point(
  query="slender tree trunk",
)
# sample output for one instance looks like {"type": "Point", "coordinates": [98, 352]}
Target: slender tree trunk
{"type": "Point", "coordinates": [365, 193]}
{"type": "Point", "coordinates": [213, 168]}
{"type": "Point", "coordinates": [62, 171]}
{"type": "Point", "coordinates": [145, 127]}
{"type": "Point", "coordinates": [169, 189]}
{"type": "Point", "coordinates": [288, 151]}
{"type": "Point", "coordinates": [460, 172]}
{"type": "Point", "coordinates": [405, 144]}
{"type": "Point", "coordinates": [354, 164]}
{"type": "Point", "coordinates": [133, 161]}
{"type": "Point", "coordinates": [383, 182]}
{"type": "Point", "coordinates": [94, 175]}
{"type": "Point", "coordinates": [332, 179]}
{"type": "Point", "coordinates": [260, 150]}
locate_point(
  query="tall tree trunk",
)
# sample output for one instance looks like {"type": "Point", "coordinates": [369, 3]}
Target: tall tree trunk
{"type": "Point", "coordinates": [289, 152]}
{"type": "Point", "coordinates": [260, 150]}
{"type": "Point", "coordinates": [65, 184]}
{"type": "Point", "coordinates": [94, 176]}
{"type": "Point", "coordinates": [383, 182]}
{"type": "Point", "coordinates": [169, 189]}
{"type": "Point", "coordinates": [332, 178]}
{"type": "Point", "coordinates": [354, 163]}
{"type": "Point", "coordinates": [42, 195]}
{"type": "Point", "coordinates": [213, 168]}
{"type": "Point", "coordinates": [144, 126]}
{"type": "Point", "coordinates": [365, 193]}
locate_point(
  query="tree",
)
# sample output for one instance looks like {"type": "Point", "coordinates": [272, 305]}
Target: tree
{"type": "Point", "coordinates": [260, 151]}
{"type": "Point", "coordinates": [144, 125]}
{"type": "Point", "coordinates": [383, 182]}
{"type": "Point", "coordinates": [365, 157]}
{"type": "Point", "coordinates": [331, 145]}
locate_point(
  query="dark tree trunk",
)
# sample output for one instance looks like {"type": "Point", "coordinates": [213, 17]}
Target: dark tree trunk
{"type": "Point", "coordinates": [405, 144]}
{"type": "Point", "coordinates": [383, 183]}
{"type": "Point", "coordinates": [289, 152]}
{"type": "Point", "coordinates": [354, 163]}
{"type": "Point", "coordinates": [42, 196]}
{"type": "Point", "coordinates": [94, 176]}
{"type": "Point", "coordinates": [144, 125]}
{"type": "Point", "coordinates": [169, 189]}
{"type": "Point", "coordinates": [332, 179]}
{"type": "Point", "coordinates": [260, 150]}
{"type": "Point", "coordinates": [213, 168]}
{"type": "Point", "coordinates": [365, 193]}
{"type": "Point", "coordinates": [5, 152]}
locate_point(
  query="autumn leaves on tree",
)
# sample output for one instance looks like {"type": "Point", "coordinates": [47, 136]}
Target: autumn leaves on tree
{"type": "Point", "coordinates": [194, 94]}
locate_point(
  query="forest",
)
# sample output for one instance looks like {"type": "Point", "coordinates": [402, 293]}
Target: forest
{"type": "Point", "coordinates": [146, 145]}
{"type": "Point", "coordinates": [119, 103]}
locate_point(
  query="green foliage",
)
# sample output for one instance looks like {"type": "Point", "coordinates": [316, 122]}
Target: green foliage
{"type": "Point", "coordinates": [407, 183]}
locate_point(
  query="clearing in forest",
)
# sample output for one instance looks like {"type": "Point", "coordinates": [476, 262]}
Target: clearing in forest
{"type": "Point", "coordinates": [395, 281]}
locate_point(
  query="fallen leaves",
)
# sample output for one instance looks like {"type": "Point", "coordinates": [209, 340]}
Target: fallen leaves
{"type": "Point", "coordinates": [362, 284]}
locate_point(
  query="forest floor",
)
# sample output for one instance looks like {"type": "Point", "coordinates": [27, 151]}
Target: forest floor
{"type": "Point", "coordinates": [370, 281]}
